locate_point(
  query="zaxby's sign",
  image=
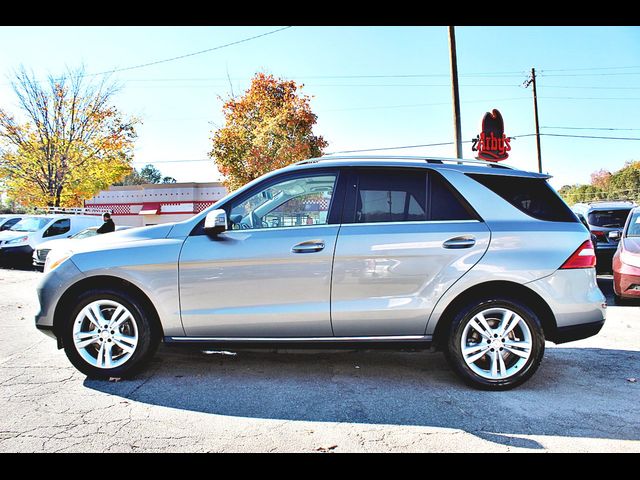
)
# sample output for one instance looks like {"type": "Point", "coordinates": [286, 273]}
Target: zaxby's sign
{"type": "Point", "coordinates": [492, 144]}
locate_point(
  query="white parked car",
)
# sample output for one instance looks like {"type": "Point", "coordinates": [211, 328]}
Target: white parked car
{"type": "Point", "coordinates": [18, 242]}
{"type": "Point", "coordinates": [42, 250]}
{"type": "Point", "coordinates": [9, 220]}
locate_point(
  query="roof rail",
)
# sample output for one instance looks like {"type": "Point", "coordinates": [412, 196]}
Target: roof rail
{"type": "Point", "coordinates": [74, 210]}
{"type": "Point", "coordinates": [435, 160]}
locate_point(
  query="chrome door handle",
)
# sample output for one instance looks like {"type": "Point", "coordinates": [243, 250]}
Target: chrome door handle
{"type": "Point", "coordinates": [308, 246]}
{"type": "Point", "coordinates": [465, 241]}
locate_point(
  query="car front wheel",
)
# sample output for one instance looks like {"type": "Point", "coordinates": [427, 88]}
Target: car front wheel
{"type": "Point", "coordinates": [495, 344]}
{"type": "Point", "coordinates": [109, 334]}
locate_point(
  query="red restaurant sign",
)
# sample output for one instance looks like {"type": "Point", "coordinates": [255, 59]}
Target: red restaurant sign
{"type": "Point", "coordinates": [492, 144]}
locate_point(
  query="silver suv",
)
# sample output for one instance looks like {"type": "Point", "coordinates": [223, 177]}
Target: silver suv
{"type": "Point", "coordinates": [477, 259]}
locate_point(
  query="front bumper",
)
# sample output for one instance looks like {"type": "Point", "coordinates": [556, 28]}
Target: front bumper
{"type": "Point", "coordinates": [49, 290]}
{"type": "Point", "coordinates": [19, 253]}
{"type": "Point", "coordinates": [626, 280]}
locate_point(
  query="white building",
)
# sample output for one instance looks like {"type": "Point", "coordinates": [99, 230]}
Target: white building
{"type": "Point", "coordinates": [151, 204]}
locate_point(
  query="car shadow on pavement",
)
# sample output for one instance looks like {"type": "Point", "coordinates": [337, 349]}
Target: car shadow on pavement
{"type": "Point", "coordinates": [577, 392]}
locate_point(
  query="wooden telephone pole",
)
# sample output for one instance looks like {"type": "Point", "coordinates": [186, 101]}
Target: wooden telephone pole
{"type": "Point", "coordinates": [532, 81]}
{"type": "Point", "coordinates": [454, 91]}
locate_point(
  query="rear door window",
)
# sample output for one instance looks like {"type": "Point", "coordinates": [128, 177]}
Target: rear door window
{"type": "Point", "coordinates": [405, 196]}
{"type": "Point", "coordinates": [533, 196]}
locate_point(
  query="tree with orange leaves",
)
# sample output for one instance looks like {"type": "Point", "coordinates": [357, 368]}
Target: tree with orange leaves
{"type": "Point", "coordinates": [70, 144]}
{"type": "Point", "coordinates": [269, 127]}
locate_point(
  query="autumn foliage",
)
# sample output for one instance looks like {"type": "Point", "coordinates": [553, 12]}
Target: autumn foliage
{"type": "Point", "coordinates": [269, 127]}
{"type": "Point", "coordinates": [69, 144]}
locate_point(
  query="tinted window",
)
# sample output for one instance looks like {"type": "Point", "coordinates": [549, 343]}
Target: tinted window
{"type": "Point", "coordinates": [9, 223]}
{"type": "Point", "coordinates": [608, 218]}
{"type": "Point", "coordinates": [388, 196]}
{"type": "Point", "coordinates": [533, 196]}
{"type": "Point", "coordinates": [444, 203]}
{"type": "Point", "coordinates": [391, 197]}
{"type": "Point", "coordinates": [58, 228]}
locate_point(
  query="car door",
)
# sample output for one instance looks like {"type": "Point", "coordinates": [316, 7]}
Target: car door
{"type": "Point", "coordinates": [406, 237]}
{"type": "Point", "coordinates": [269, 274]}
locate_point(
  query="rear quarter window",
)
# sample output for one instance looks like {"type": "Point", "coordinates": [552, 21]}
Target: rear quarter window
{"type": "Point", "coordinates": [532, 196]}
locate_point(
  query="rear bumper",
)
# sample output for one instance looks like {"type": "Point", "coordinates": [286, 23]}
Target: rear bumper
{"type": "Point", "coordinates": [577, 332]}
{"type": "Point", "coordinates": [578, 305]}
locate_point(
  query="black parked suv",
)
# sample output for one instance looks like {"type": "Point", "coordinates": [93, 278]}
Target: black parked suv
{"type": "Point", "coordinates": [605, 220]}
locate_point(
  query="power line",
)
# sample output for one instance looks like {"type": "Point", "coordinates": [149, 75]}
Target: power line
{"type": "Point", "coordinates": [416, 146]}
{"type": "Point", "coordinates": [358, 85]}
{"type": "Point", "coordinates": [588, 68]}
{"type": "Point", "coordinates": [572, 87]}
{"type": "Point", "coordinates": [588, 136]}
{"type": "Point", "coordinates": [592, 128]}
{"type": "Point", "coordinates": [173, 161]}
{"type": "Point", "coordinates": [589, 74]}
{"type": "Point", "coordinates": [187, 55]}
{"type": "Point", "coordinates": [381, 107]}
{"type": "Point", "coordinates": [590, 98]}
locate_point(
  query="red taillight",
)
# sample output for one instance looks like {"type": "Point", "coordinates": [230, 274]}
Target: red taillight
{"type": "Point", "coordinates": [601, 236]}
{"type": "Point", "coordinates": [583, 257]}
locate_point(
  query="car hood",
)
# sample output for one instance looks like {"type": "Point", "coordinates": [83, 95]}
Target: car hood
{"type": "Point", "coordinates": [631, 245]}
{"type": "Point", "coordinates": [119, 237]}
{"type": "Point", "coordinates": [59, 243]}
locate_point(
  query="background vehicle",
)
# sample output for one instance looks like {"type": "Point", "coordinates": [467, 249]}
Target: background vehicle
{"type": "Point", "coordinates": [483, 261]}
{"type": "Point", "coordinates": [18, 242]}
{"type": "Point", "coordinates": [9, 220]}
{"type": "Point", "coordinates": [605, 220]}
{"type": "Point", "coordinates": [626, 260]}
{"type": "Point", "coordinates": [42, 250]}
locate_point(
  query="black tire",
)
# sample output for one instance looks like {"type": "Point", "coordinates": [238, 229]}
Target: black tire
{"type": "Point", "coordinates": [147, 331]}
{"type": "Point", "coordinates": [525, 370]}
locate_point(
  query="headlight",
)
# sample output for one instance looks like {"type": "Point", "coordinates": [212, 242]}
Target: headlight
{"type": "Point", "coordinates": [55, 258]}
{"type": "Point", "coordinates": [630, 259]}
{"type": "Point", "coordinates": [15, 241]}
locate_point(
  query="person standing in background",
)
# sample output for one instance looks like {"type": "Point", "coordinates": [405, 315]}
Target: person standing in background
{"type": "Point", "coordinates": [108, 225]}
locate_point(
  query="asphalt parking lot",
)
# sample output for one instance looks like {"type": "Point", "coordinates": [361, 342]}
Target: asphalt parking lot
{"type": "Point", "coordinates": [584, 398]}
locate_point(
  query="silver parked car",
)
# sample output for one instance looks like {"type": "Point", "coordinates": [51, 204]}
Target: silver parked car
{"type": "Point", "coordinates": [480, 260]}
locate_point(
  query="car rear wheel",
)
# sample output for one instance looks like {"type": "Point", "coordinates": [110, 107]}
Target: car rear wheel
{"type": "Point", "coordinates": [109, 334]}
{"type": "Point", "coordinates": [495, 344]}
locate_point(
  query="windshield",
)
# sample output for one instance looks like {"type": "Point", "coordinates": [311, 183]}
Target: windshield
{"type": "Point", "coordinates": [86, 233]}
{"type": "Point", "coordinates": [634, 225]}
{"type": "Point", "coordinates": [32, 224]}
{"type": "Point", "coordinates": [608, 218]}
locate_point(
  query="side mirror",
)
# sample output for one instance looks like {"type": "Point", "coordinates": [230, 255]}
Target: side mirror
{"type": "Point", "coordinates": [215, 222]}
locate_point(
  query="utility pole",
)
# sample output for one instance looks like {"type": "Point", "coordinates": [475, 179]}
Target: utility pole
{"type": "Point", "coordinates": [532, 81]}
{"type": "Point", "coordinates": [454, 91]}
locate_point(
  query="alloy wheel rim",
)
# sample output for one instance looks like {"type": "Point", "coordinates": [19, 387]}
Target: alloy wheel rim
{"type": "Point", "coordinates": [105, 334]}
{"type": "Point", "coordinates": [496, 343]}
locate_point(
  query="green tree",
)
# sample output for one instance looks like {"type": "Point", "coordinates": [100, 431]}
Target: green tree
{"type": "Point", "coordinates": [269, 127]}
{"type": "Point", "coordinates": [148, 174]}
{"type": "Point", "coordinates": [72, 143]}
